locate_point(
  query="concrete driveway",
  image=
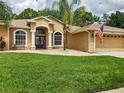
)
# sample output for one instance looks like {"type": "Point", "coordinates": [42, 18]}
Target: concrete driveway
{"type": "Point", "coordinates": [69, 52]}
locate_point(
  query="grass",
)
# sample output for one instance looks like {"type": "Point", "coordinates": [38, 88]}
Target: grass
{"type": "Point", "coordinates": [36, 73]}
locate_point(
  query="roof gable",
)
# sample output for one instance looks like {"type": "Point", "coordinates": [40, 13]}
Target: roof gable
{"type": "Point", "coordinates": [49, 19]}
{"type": "Point", "coordinates": [41, 17]}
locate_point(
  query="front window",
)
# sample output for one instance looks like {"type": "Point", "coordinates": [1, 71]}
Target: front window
{"type": "Point", "coordinates": [58, 38]}
{"type": "Point", "coordinates": [20, 38]}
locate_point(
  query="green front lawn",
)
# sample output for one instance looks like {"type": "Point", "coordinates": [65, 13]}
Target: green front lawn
{"type": "Point", "coordinates": [36, 73]}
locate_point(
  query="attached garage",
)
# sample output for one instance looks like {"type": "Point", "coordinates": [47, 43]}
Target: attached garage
{"type": "Point", "coordinates": [86, 39]}
{"type": "Point", "coordinates": [111, 42]}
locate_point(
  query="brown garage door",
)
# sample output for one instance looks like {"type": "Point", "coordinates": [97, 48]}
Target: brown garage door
{"type": "Point", "coordinates": [110, 43]}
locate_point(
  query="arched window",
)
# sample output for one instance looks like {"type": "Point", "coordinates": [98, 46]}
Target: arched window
{"type": "Point", "coordinates": [58, 38]}
{"type": "Point", "coordinates": [20, 37]}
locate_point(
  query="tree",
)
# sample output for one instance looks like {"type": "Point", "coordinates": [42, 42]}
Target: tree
{"type": "Point", "coordinates": [116, 19]}
{"type": "Point", "coordinates": [14, 16]}
{"type": "Point", "coordinates": [30, 13]}
{"type": "Point", "coordinates": [5, 13]}
{"type": "Point", "coordinates": [82, 17]}
{"type": "Point", "coordinates": [47, 11]}
{"type": "Point", "coordinates": [27, 14]}
{"type": "Point", "coordinates": [66, 9]}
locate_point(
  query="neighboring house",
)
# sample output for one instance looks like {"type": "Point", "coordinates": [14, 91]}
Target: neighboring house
{"type": "Point", "coordinates": [47, 33]}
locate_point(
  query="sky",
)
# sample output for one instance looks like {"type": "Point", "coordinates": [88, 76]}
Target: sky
{"type": "Point", "coordinates": [97, 7]}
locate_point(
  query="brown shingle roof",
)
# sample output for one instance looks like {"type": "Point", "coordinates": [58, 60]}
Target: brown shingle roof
{"type": "Point", "coordinates": [73, 29]}
{"type": "Point", "coordinates": [94, 27]}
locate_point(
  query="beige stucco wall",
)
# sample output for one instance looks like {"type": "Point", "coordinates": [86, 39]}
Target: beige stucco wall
{"type": "Point", "coordinates": [5, 33]}
{"type": "Point", "coordinates": [78, 41]}
{"type": "Point", "coordinates": [41, 22]}
{"type": "Point", "coordinates": [110, 43]}
{"type": "Point", "coordinates": [58, 26]}
{"type": "Point", "coordinates": [69, 40]}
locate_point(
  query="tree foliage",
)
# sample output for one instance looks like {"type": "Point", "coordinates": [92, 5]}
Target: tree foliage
{"type": "Point", "coordinates": [5, 12]}
{"type": "Point", "coordinates": [66, 9]}
{"type": "Point", "coordinates": [47, 11]}
{"type": "Point", "coordinates": [64, 12]}
{"type": "Point", "coordinates": [82, 17]}
{"type": "Point", "coordinates": [30, 13]}
{"type": "Point", "coordinates": [27, 14]}
{"type": "Point", "coordinates": [116, 19]}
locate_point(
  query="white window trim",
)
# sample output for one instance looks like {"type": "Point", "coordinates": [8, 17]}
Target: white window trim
{"type": "Point", "coordinates": [26, 43]}
{"type": "Point", "coordinates": [54, 39]}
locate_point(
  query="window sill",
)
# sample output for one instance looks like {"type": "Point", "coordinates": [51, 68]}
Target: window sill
{"type": "Point", "coordinates": [20, 45]}
{"type": "Point", "coordinates": [57, 45]}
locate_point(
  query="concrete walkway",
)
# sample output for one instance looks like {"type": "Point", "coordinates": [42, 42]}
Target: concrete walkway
{"type": "Point", "coordinates": [69, 52]}
{"type": "Point", "coordinates": [120, 90]}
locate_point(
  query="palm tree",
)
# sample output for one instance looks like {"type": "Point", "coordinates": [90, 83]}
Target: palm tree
{"type": "Point", "coordinates": [5, 13]}
{"type": "Point", "coordinates": [65, 8]}
{"type": "Point", "coordinates": [66, 11]}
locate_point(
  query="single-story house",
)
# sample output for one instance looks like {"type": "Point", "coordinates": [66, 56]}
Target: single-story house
{"type": "Point", "coordinates": [47, 33]}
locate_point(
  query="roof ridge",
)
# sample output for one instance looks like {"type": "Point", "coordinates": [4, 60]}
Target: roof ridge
{"type": "Point", "coordinates": [41, 17]}
{"type": "Point", "coordinates": [55, 18]}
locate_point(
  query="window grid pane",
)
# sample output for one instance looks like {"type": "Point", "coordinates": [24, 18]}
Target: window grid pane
{"type": "Point", "coordinates": [20, 38]}
{"type": "Point", "coordinates": [58, 38]}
